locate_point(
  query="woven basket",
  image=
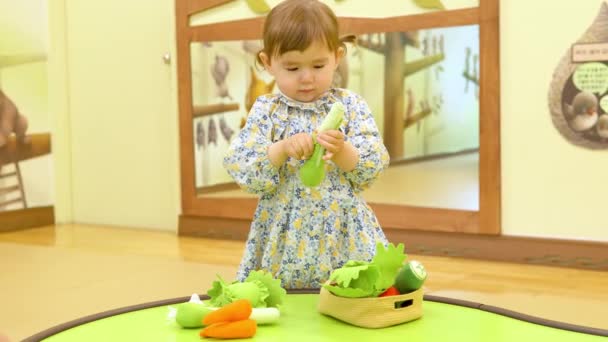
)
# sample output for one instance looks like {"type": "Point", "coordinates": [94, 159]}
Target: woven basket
{"type": "Point", "coordinates": [373, 312]}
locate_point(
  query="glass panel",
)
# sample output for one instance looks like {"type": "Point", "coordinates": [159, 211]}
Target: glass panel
{"type": "Point", "coordinates": [225, 83]}
{"type": "Point", "coordinates": [432, 133]}
{"type": "Point", "coordinates": [422, 87]}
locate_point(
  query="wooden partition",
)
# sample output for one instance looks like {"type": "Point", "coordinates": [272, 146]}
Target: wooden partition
{"type": "Point", "coordinates": [230, 217]}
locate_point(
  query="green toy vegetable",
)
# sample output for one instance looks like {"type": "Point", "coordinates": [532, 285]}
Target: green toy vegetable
{"type": "Point", "coordinates": [355, 279]}
{"type": "Point", "coordinates": [191, 315]}
{"type": "Point", "coordinates": [313, 170]}
{"type": "Point", "coordinates": [362, 279]}
{"type": "Point", "coordinates": [259, 288]}
{"type": "Point", "coordinates": [411, 277]}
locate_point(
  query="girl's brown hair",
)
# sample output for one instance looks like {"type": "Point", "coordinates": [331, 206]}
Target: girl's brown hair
{"type": "Point", "coordinates": [295, 24]}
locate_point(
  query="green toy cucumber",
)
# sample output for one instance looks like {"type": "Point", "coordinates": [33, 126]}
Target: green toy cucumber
{"type": "Point", "coordinates": [410, 277]}
{"type": "Point", "coordinates": [313, 170]}
{"type": "Point", "coordinates": [190, 315]}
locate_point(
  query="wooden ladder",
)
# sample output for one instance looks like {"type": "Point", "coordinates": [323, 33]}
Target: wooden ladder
{"type": "Point", "coordinates": [8, 189]}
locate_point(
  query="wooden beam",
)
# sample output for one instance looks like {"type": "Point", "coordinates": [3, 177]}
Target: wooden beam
{"type": "Point", "coordinates": [195, 6]}
{"type": "Point", "coordinates": [467, 16]}
{"type": "Point", "coordinates": [245, 29]}
{"type": "Point", "coordinates": [525, 250]}
{"type": "Point", "coordinates": [184, 100]}
{"type": "Point", "coordinates": [26, 218]}
{"type": "Point", "coordinates": [38, 144]}
{"type": "Point", "coordinates": [389, 215]}
{"type": "Point", "coordinates": [252, 28]}
{"type": "Point", "coordinates": [209, 189]}
{"type": "Point", "coordinates": [199, 111]}
{"type": "Point", "coordinates": [238, 207]}
{"type": "Point", "coordinates": [489, 119]}
{"type": "Point", "coordinates": [397, 216]}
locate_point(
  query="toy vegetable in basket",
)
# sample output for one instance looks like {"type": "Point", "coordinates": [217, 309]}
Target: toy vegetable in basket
{"type": "Point", "coordinates": [374, 294]}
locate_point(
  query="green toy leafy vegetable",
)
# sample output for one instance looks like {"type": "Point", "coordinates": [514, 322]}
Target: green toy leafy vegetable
{"type": "Point", "coordinates": [389, 261]}
{"type": "Point", "coordinates": [362, 279]}
{"type": "Point", "coordinates": [354, 279]}
{"type": "Point", "coordinates": [259, 288]}
{"type": "Point", "coordinates": [276, 294]}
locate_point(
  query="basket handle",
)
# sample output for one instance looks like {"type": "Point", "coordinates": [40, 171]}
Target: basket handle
{"type": "Point", "coordinates": [403, 304]}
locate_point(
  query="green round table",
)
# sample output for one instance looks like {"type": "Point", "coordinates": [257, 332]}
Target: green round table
{"type": "Point", "coordinates": [444, 319]}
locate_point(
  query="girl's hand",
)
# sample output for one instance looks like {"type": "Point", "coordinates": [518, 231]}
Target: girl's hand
{"type": "Point", "coordinates": [333, 142]}
{"type": "Point", "coordinates": [299, 146]}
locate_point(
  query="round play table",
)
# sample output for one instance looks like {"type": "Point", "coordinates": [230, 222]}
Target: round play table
{"type": "Point", "coordinates": [444, 319]}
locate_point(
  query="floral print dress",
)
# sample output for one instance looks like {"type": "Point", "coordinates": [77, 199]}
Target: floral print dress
{"type": "Point", "coordinates": [301, 234]}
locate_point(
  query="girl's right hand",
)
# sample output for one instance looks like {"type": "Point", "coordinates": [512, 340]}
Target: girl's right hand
{"type": "Point", "coordinates": [298, 146]}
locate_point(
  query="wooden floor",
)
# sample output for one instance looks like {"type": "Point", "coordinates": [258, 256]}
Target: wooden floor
{"type": "Point", "coordinates": [52, 275]}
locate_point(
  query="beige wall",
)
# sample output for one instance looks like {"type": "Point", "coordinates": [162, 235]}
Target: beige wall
{"type": "Point", "coordinates": [550, 188]}
{"type": "Point", "coordinates": [24, 26]}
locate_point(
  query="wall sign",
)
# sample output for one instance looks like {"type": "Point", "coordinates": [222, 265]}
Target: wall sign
{"type": "Point", "coordinates": [578, 98]}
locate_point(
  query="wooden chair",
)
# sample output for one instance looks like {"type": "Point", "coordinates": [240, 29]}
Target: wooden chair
{"type": "Point", "coordinates": [17, 186]}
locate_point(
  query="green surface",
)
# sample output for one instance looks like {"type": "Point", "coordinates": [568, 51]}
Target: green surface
{"type": "Point", "coordinates": [300, 321]}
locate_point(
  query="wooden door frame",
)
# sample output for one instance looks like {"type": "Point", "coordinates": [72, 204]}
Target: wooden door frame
{"type": "Point", "coordinates": [487, 220]}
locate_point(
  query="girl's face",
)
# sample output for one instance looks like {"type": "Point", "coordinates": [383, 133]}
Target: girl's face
{"type": "Point", "coordinates": [304, 75]}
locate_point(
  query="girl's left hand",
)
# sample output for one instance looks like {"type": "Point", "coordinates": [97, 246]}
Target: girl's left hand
{"type": "Point", "coordinates": [333, 142]}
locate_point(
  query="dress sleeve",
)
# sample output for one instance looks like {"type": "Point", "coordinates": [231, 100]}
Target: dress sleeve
{"type": "Point", "coordinates": [247, 159]}
{"type": "Point", "coordinates": [362, 132]}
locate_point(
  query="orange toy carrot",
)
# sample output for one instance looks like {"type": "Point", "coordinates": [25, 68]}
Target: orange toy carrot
{"type": "Point", "coordinates": [235, 311]}
{"type": "Point", "coordinates": [239, 329]}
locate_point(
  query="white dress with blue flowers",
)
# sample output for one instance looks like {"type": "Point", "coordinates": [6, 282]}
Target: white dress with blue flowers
{"type": "Point", "coordinates": [301, 234]}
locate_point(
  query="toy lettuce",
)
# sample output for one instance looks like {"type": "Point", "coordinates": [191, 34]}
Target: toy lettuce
{"type": "Point", "coordinates": [259, 288]}
{"type": "Point", "coordinates": [368, 279]}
